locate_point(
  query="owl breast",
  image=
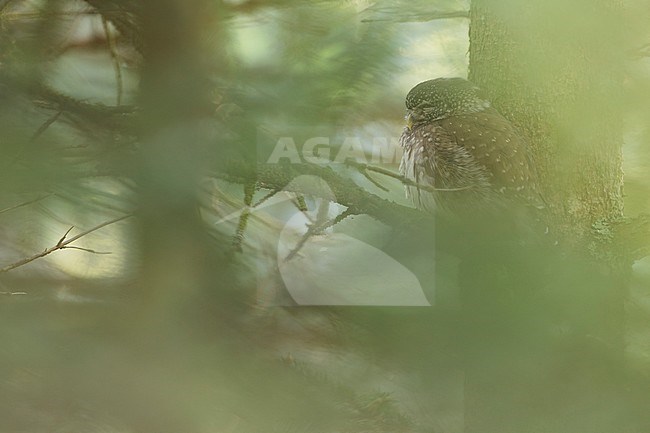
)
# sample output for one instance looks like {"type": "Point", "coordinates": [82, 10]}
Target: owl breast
{"type": "Point", "coordinates": [473, 161]}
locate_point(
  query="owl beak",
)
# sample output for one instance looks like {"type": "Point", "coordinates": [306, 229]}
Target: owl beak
{"type": "Point", "coordinates": [409, 120]}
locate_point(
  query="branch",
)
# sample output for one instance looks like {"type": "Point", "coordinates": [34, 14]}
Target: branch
{"type": "Point", "coordinates": [406, 221]}
{"type": "Point", "coordinates": [44, 96]}
{"type": "Point", "coordinates": [347, 193]}
{"type": "Point", "coordinates": [48, 98]}
{"type": "Point", "coordinates": [364, 168]}
{"type": "Point", "coordinates": [62, 244]}
{"type": "Point", "coordinates": [266, 197]}
{"type": "Point", "coordinates": [315, 229]}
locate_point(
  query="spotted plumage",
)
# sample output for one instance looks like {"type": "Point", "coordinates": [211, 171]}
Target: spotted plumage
{"type": "Point", "coordinates": [459, 145]}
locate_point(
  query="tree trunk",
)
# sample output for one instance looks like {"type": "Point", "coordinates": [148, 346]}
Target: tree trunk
{"type": "Point", "coordinates": [561, 84]}
{"type": "Point", "coordinates": [555, 70]}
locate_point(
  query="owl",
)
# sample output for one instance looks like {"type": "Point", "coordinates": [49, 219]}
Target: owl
{"type": "Point", "coordinates": [461, 153]}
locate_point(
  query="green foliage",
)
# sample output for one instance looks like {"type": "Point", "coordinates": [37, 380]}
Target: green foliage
{"type": "Point", "coordinates": [187, 325]}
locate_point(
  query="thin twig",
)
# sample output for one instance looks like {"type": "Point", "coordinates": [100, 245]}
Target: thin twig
{"type": "Point", "coordinates": [125, 18]}
{"type": "Point", "coordinates": [62, 243]}
{"type": "Point", "coordinates": [266, 197]}
{"type": "Point", "coordinates": [65, 235]}
{"type": "Point", "coordinates": [372, 180]}
{"type": "Point", "coordinates": [24, 204]}
{"type": "Point", "coordinates": [116, 61]}
{"type": "Point", "coordinates": [318, 228]}
{"type": "Point", "coordinates": [312, 229]}
{"type": "Point", "coordinates": [35, 137]}
{"type": "Point", "coordinates": [46, 125]}
{"type": "Point", "coordinates": [300, 204]}
{"type": "Point", "coordinates": [88, 250]}
{"type": "Point", "coordinates": [405, 180]}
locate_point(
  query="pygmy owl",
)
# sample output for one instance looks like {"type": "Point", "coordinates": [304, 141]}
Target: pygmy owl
{"type": "Point", "coordinates": [466, 154]}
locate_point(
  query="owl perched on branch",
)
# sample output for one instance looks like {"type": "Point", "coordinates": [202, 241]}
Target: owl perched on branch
{"type": "Point", "coordinates": [466, 154]}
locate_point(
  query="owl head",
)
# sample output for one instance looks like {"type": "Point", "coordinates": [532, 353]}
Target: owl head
{"type": "Point", "coordinates": [441, 98]}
